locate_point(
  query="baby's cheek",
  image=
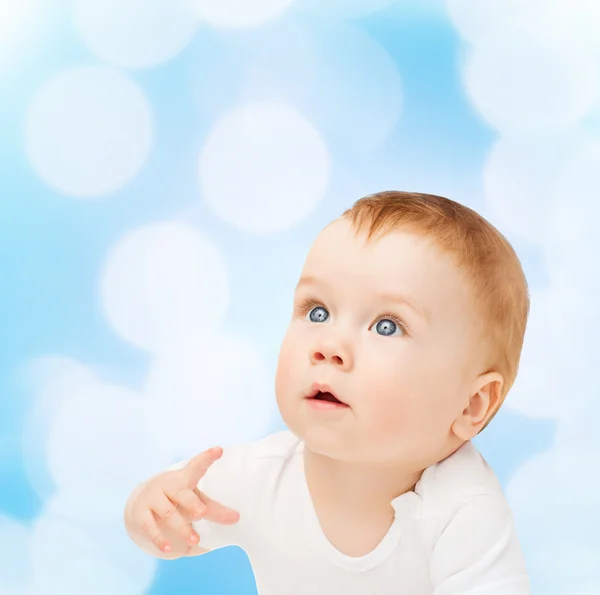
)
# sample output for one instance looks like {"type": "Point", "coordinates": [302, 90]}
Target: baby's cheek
{"type": "Point", "coordinates": [400, 418]}
{"type": "Point", "coordinates": [389, 418]}
{"type": "Point", "coordinates": [286, 377]}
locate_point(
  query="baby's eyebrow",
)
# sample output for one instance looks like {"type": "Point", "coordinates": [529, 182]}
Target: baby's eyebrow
{"type": "Point", "coordinates": [383, 296]}
{"type": "Point", "coordinates": [307, 280]}
{"type": "Point", "coordinates": [405, 301]}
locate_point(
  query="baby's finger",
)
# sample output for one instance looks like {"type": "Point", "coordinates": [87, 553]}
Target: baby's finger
{"type": "Point", "coordinates": [149, 527]}
{"type": "Point", "coordinates": [186, 500]}
{"type": "Point", "coordinates": [167, 512]}
{"type": "Point", "coordinates": [197, 466]}
{"type": "Point", "coordinates": [217, 512]}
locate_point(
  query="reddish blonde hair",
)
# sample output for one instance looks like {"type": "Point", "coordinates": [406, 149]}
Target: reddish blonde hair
{"type": "Point", "coordinates": [478, 248]}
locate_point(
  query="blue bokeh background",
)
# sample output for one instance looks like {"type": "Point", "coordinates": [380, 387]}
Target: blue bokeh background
{"type": "Point", "coordinates": [495, 105]}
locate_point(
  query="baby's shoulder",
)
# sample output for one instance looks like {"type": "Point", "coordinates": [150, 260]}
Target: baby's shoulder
{"type": "Point", "coordinates": [463, 491]}
{"type": "Point", "coordinates": [248, 464]}
{"type": "Point", "coordinates": [461, 477]}
{"type": "Point", "coordinates": [266, 454]}
{"type": "Point", "coordinates": [276, 446]}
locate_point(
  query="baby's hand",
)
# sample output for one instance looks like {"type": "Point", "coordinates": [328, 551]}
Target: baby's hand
{"type": "Point", "coordinates": [165, 507]}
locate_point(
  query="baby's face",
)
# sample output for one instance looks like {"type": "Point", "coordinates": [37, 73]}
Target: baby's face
{"type": "Point", "coordinates": [403, 386]}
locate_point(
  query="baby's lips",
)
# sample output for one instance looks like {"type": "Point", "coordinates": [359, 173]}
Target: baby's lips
{"type": "Point", "coordinates": [319, 387]}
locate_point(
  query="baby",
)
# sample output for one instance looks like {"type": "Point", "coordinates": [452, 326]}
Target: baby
{"type": "Point", "coordinates": [406, 334]}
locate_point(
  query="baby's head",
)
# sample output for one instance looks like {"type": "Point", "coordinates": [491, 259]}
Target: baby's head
{"type": "Point", "coordinates": [412, 309]}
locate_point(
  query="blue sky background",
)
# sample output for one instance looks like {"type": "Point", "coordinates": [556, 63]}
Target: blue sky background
{"type": "Point", "coordinates": [128, 254]}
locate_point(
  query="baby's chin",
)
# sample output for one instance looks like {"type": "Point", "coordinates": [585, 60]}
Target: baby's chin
{"type": "Point", "coordinates": [327, 442]}
{"type": "Point", "coordinates": [338, 441]}
{"type": "Point", "coordinates": [359, 450]}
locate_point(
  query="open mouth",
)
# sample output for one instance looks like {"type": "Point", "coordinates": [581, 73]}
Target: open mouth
{"type": "Point", "coordinates": [320, 395]}
{"type": "Point", "coordinates": [327, 396]}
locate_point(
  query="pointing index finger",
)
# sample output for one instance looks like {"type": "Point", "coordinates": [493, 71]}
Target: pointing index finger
{"type": "Point", "coordinates": [197, 466]}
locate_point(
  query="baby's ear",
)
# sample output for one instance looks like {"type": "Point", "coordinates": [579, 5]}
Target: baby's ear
{"type": "Point", "coordinates": [483, 404]}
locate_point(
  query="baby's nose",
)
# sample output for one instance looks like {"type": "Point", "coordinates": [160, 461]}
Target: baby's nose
{"type": "Point", "coordinates": [322, 355]}
{"type": "Point", "coordinates": [334, 353]}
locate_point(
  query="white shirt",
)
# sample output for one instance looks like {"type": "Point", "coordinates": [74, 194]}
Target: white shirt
{"type": "Point", "coordinates": [454, 535]}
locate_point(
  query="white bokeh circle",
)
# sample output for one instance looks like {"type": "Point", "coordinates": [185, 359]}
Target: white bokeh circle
{"type": "Point", "coordinates": [577, 446]}
{"type": "Point", "coordinates": [578, 198]}
{"type": "Point", "coordinates": [567, 21]}
{"type": "Point", "coordinates": [19, 27]}
{"type": "Point", "coordinates": [476, 21]}
{"type": "Point", "coordinates": [239, 14]}
{"type": "Point", "coordinates": [571, 250]}
{"type": "Point", "coordinates": [339, 77]}
{"type": "Point", "coordinates": [586, 588]}
{"type": "Point", "coordinates": [578, 18]}
{"type": "Point", "coordinates": [279, 63]}
{"type": "Point", "coordinates": [214, 391]}
{"type": "Point", "coordinates": [135, 33]}
{"type": "Point", "coordinates": [100, 439]}
{"type": "Point", "coordinates": [592, 121]}
{"type": "Point", "coordinates": [534, 87]}
{"type": "Point", "coordinates": [53, 377]}
{"type": "Point", "coordinates": [579, 466]}
{"type": "Point", "coordinates": [15, 559]}
{"type": "Point", "coordinates": [562, 565]}
{"type": "Point", "coordinates": [520, 177]}
{"type": "Point", "coordinates": [12, 14]}
{"type": "Point", "coordinates": [558, 354]}
{"type": "Point", "coordinates": [263, 168]}
{"type": "Point", "coordinates": [162, 283]}
{"type": "Point", "coordinates": [88, 131]}
{"type": "Point", "coordinates": [537, 480]}
{"type": "Point", "coordinates": [92, 566]}
{"type": "Point", "coordinates": [53, 380]}
{"type": "Point", "coordinates": [577, 431]}
{"type": "Point", "coordinates": [343, 8]}
{"type": "Point", "coordinates": [358, 95]}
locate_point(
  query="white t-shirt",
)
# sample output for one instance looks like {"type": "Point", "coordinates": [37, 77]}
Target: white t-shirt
{"type": "Point", "coordinates": [454, 535]}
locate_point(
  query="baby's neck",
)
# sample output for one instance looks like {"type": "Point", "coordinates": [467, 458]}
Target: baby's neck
{"type": "Point", "coordinates": [358, 487]}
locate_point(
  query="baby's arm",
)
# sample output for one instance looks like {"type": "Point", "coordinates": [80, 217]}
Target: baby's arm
{"type": "Point", "coordinates": [478, 551]}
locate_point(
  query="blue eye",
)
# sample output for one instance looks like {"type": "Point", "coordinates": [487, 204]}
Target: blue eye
{"type": "Point", "coordinates": [318, 314]}
{"type": "Point", "coordinates": [386, 327]}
